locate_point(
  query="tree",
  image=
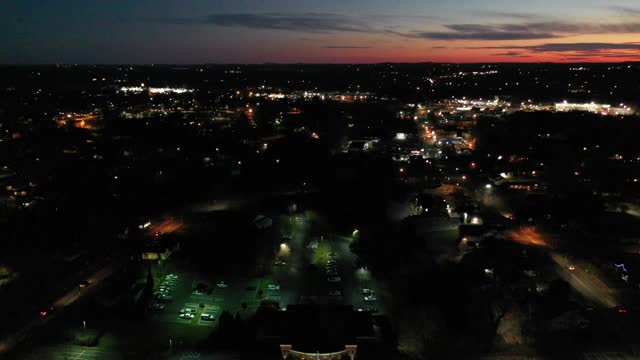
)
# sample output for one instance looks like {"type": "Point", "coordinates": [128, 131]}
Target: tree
{"type": "Point", "coordinates": [510, 327]}
{"type": "Point", "coordinates": [421, 332]}
{"type": "Point", "coordinates": [148, 287]}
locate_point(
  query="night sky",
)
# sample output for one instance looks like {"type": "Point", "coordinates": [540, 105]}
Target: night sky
{"type": "Point", "coordinates": [321, 31]}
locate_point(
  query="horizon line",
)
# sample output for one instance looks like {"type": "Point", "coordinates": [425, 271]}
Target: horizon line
{"type": "Point", "coordinates": [326, 63]}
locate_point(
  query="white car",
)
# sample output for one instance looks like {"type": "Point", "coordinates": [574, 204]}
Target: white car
{"type": "Point", "coordinates": [187, 311]}
{"type": "Point", "coordinates": [369, 298]}
{"type": "Point", "coordinates": [187, 316]}
{"type": "Point", "coordinates": [366, 291]}
{"type": "Point", "coordinates": [273, 287]}
{"type": "Point", "coordinates": [334, 279]}
{"type": "Point", "coordinates": [222, 285]}
{"type": "Point", "coordinates": [207, 317]}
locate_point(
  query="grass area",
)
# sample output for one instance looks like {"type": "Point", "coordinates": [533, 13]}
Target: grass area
{"type": "Point", "coordinates": [6, 275]}
{"type": "Point", "coordinates": [445, 236]}
{"type": "Point", "coordinates": [262, 289]}
{"type": "Point", "coordinates": [321, 254]}
{"type": "Point", "coordinates": [85, 337]}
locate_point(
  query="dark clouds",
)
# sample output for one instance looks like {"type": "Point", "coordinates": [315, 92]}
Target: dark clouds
{"type": "Point", "coordinates": [567, 47]}
{"type": "Point", "coordinates": [481, 32]}
{"type": "Point", "coordinates": [308, 22]}
{"type": "Point", "coordinates": [524, 30]}
{"type": "Point", "coordinates": [514, 27]}
{"type": "Point", "coordinates": [512, 53]}
{"type": "Point", "coordinates": [627, 10]}
{"type": "Point", "coordinates": [303, 22]}
{"type": "Point", "coordinates": [346, 47]}
{"type": "Point", "coordinates": [572, 51]}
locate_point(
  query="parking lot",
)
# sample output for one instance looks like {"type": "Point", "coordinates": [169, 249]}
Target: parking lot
{"type": "Point", "coordinates": [307, 267]}
{"type": "Point", "coordinates": [187, 298]}
{"type": "Point", "coordinates": [320, 268]}
{"type": "Point", "coordinates": [180, 303]}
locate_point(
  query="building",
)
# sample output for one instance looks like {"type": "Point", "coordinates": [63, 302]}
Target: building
{"type": "Point", "coordinates": [323, 332]}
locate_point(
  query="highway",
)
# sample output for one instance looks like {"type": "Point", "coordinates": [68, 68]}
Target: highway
{"type": "Point", "coordinates": [67, 299]}
{"type": "Point", "coordinates": [584, 280]}
{"type": "Point", "coordinates": [582, 276]}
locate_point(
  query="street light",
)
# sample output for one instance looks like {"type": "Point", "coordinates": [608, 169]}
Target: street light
{"type": "Point", "coordinates": [284, 249]}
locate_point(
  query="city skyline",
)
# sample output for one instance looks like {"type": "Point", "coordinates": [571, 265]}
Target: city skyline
{"type": "Point", "coordinates": [352, 31]}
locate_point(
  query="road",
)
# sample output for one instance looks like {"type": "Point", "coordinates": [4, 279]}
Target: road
{"type": "Point", "coordinates": [581, 275]}
{"type": "Point", "coordinates": [530, 235]}
{"type": "Point", "coordinates": [167, 226]}
{"type": "Point", "coordinates": [71, 352]}
{"type": "Point", "coordinates": [585, 280]}
{"type": "Point", "coordinates": [62, 302]}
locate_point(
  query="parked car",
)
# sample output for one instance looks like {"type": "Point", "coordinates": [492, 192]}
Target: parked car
{"type": "Point", "coordinates": [165, 298]}
{"type": "Point", "coordinates": [156, 306]}
{"type": "Point", "coordinates": [200, 289]}
{"type": "Point", "coordinates": [207, 317]}
{"type": "Point", "coordinates": [369, 309]}
{"type": "Point", "coordinates": [369, 298]}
